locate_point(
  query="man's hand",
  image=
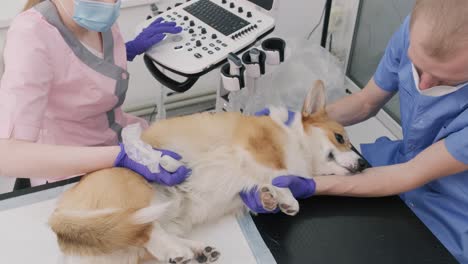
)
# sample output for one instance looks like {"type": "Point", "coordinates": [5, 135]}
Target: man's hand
{"type": "Point", "coordinates": [300, 187]}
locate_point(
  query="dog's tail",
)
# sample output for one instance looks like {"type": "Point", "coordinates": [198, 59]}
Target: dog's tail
{"type": "Point", "coordinates": [103, 231]}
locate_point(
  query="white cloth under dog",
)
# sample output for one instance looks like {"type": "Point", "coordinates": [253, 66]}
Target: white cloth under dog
{"type": "Point", "coordinates": [26, 238]}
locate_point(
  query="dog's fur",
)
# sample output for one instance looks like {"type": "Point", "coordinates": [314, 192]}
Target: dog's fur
{"type": "Point", "coordinates": [115, 216]}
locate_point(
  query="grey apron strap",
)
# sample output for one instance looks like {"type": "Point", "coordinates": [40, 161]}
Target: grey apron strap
{"type": "Point", "coordinates": [104, 66]}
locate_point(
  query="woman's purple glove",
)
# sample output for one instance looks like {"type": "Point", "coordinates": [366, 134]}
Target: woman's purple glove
{"type": "Point", "coordinates": [163, 177]}
{"type": "Point", "coordinates": [150, 36]}
{"type": "Point", "coordinates": [300, 187]}
{"type": "Point", "coordinates": [266, 112]}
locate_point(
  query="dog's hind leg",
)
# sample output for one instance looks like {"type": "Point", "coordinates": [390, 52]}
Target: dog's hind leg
{"type": "Point", "coordinates": [273, 197]}
{"type": "Point", "coordinates": [168, 248]}
{"type": "Point", "coordinates": [203, 253]}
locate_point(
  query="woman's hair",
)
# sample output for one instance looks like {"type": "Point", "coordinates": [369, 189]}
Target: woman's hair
{"type": "Point", "coordinates": [31, 3]}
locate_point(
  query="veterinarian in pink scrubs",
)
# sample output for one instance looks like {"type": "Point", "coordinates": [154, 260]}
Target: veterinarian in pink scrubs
{"type": "Point", "coordinates": [66, 75]}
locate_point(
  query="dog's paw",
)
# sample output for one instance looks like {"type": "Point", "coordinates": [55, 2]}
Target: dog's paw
{"type": "Point", "coordinates": [181, 256]}
{"type": "Point", "coordinates": [180, 260]}
{"type": "Point", "coordinates": [268, 197]}
{"type": "Point", "coordinates": [173, 253]}
{"type": "Point", "coordinates": [286, 201]}
{"type": "Point", "coordinates": [290, 208]}
{"type": "Point", "coordinates": [207, 255]}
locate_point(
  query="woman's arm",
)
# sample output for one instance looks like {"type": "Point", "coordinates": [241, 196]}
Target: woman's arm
{"type": "Point", "coordinates": [28, 160]}
{"type": "Point", "coordinates": [359, 106]}
{"type": "Point", "coordinates": [433, 163]}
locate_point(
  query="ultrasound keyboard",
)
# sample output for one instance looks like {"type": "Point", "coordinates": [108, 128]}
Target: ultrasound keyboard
{"type": "Point", "coordinates": [211, 30]}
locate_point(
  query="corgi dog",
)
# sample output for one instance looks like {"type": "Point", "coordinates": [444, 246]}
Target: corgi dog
{"type": "Point", "coordinates": [114, 216]}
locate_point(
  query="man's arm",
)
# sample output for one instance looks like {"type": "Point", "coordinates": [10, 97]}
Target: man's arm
{"type": "Point", "coordinates": [359, 106]}
{"type": "Point", "coordinates": [433, 163]}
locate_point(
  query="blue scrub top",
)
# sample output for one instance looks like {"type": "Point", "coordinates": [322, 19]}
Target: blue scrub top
{"type": "Point", "coordinates": [442, 204]}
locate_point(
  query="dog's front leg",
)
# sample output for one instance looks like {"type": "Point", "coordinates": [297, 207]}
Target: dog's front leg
{"type": "Point", "coordinates": [272, 197]}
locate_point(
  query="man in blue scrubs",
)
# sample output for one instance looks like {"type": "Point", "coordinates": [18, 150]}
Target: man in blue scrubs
{"type": "Point", "coordinates": [426, 61]}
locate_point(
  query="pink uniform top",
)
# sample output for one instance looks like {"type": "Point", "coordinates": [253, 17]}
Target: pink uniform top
{"type": "Point", "coordinates": [55, 91]}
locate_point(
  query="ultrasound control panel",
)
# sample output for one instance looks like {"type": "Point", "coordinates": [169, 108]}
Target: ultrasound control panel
{"type": "Point", "coordinates": [211, 30]}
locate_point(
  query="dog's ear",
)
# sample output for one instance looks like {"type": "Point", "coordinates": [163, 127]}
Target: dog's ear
{"type": "Point", "coordinates": [315, 99]}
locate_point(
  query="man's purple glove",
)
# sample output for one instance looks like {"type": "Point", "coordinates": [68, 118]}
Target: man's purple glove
{"type": "Point", "coordinates": [150, 36]}
{"type": "Point", "coordinates": [163, 177]}
{"type": "Point", "coordinates": [252, 200]}
{"type": "Point", "coordinates": [266, 112]}
{"type": "Point", "coordinates": [300, 187]}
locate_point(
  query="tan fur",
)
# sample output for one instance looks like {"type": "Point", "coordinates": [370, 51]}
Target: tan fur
{"type": "Point", "coordinates": [122, 189]}
{"type": "Point", "coordinates": [321, 120]}
{"type": "Point", "coordinates": [315, 115]}
{"type": "Point", "coordinates": [205, 140]}
{"type": "Point", "coordinates": [111, 188]}
{"type": "Point", "coordinates": [262, 137]}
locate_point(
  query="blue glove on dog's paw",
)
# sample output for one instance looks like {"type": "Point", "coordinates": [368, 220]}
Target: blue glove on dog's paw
{"type": "Point", "coordinates": [300, 187]}
{"type": "Point", "coordinates": [252, 200]}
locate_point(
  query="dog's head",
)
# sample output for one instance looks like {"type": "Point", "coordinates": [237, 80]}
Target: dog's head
{"type": "Point", "coordinates": [326, 141]}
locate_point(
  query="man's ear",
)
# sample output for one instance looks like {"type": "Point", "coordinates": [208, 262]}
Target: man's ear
{"type": "Point", "coordinates": [315, 99]}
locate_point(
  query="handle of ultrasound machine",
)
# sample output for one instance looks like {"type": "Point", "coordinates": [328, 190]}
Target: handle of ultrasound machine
{"type": "Point", "coordinates": [179, 87]}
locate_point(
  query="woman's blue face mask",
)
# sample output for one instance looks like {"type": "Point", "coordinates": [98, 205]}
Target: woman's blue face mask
{"type": "Point", "coordinates": [96, 16]}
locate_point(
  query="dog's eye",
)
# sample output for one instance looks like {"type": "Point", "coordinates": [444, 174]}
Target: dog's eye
{"type": "Point", "coordinates": [339, 138]}
{"type": "Point", "coordinates": [331, 156]}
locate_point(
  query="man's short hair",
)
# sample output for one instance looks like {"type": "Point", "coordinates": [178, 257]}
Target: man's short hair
{"type": "Point", "coordinates": [449, 25]}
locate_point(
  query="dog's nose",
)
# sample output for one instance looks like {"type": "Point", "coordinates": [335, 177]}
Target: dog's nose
{"type": "Point", "coordinates": [362, 164]}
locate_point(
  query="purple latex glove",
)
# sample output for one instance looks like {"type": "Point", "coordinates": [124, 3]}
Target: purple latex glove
{"type": "Point", "coordinates": [251, 199]}
{"type": "Point", "coordinates": [150, 36]}
{"type": "Point", "coordinates": [300, 187]}
{"type": "Point", "coordinates": [163, 177]}
{"type": "Point", "coordinates": [266, 112]}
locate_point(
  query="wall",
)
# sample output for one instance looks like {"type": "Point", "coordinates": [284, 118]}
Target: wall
{"type": "Point", "coordinates": [293, 20]}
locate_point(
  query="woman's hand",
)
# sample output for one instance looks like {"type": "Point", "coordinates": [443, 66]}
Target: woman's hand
{"type": "Point", "coordinates": [150, 36]}
{"type": "Point", "coordinates": [163, 177]}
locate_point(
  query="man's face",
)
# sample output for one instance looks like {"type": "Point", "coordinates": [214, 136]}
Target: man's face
{"type": "Point", "coordinates": [433, 71]}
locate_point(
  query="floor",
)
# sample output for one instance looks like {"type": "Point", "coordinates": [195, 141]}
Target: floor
{"type": "Point", "coordinates": [365, 132]}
